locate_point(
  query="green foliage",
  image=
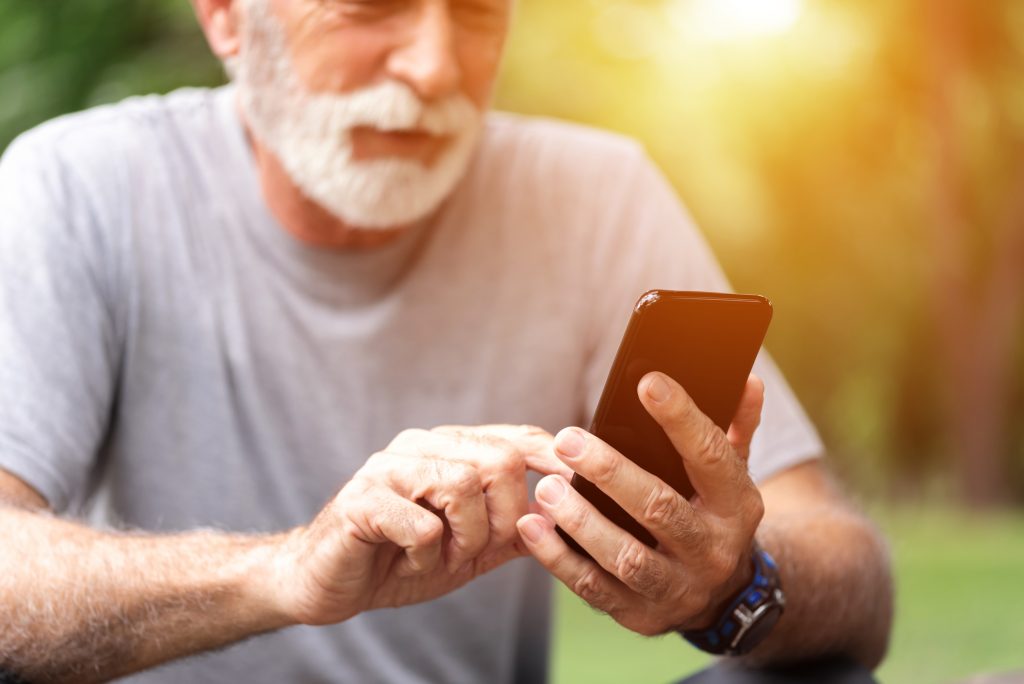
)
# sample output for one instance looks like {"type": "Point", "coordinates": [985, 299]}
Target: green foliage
{"type": "Point", "coordinates": [61, 56]}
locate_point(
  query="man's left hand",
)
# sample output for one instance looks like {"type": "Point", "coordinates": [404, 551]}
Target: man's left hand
{"type": "Point", "coordinates": [703, 555]}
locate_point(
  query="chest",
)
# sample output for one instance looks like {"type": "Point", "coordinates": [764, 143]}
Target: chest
{"type": "Point", "coordinates": [235, 381]}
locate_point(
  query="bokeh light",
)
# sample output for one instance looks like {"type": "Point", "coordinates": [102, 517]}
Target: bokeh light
{"type": "Point", "coordinates": [727, 20]}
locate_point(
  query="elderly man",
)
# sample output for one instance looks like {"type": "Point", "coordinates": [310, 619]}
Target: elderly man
{"type": "Point", "coordinates": [218, 307]}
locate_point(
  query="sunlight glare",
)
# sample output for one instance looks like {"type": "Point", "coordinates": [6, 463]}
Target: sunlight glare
{"type": "Point", "coordinates": [737, 19]}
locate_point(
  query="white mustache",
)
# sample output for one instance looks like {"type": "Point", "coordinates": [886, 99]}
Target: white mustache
{"type": "Point", "coordinates": [390, 106]}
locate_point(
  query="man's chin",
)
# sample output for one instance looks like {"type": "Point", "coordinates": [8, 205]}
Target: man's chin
{"type": "Point", "coordinates": [384, 195]}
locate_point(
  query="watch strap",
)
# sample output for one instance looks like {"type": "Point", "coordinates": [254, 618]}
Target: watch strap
{"type": "Point", "coordinates": [749, 616]}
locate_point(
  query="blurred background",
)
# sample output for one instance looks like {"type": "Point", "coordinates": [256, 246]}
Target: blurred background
{"type": "Point", "coordinates": [860, 162]}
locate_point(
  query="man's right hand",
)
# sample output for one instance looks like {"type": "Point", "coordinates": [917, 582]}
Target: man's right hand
{"type": "Point", "coordinates": [421, 518]}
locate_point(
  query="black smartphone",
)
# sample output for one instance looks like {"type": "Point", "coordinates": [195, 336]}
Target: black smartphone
{"type": "Point", "coordinates": [707, 342]}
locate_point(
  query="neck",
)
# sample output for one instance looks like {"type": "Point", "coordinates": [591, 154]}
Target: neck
{"type": "Point", "coordinates": [303, 218]}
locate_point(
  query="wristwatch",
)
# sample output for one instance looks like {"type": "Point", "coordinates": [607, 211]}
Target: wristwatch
{"type": "Point", "coordinates": [750, 616]}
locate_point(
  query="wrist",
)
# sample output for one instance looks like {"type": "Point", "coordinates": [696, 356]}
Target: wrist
{"type": "Point", "coordinates": [750, 616]}
{"type": "Point", "coordinates": [740, 579]}
{"type": "Point", "coordinates": [259, 577]}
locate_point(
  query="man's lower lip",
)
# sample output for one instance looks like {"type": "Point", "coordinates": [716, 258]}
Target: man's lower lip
{"type": "Point", "coordinates": [372, 143]}
{"type": "Point", "coordinates": [411, 137]}
{"type": "Point", "coordinates": [398, 133]}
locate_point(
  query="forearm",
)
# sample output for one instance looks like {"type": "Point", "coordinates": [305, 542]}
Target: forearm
{"type": "Point", "coordinates": [84, 605]}
{"type": "Point", "coordinates": [835, 572]}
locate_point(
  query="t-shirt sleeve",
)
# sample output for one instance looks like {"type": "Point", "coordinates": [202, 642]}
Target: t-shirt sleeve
{"type": "Point", "coordinates": [57, 342]}
{"type": "Point", "coordinates": [650, 242]}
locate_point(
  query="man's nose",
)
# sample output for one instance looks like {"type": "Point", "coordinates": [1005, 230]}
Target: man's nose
{"type": "Point", "coordinates": [427, 60]}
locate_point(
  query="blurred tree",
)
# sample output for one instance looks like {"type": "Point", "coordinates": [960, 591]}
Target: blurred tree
{"type": "Point", "coordinates": [979, 235]}
{"type": "Point", "coordinates": [860, 168]}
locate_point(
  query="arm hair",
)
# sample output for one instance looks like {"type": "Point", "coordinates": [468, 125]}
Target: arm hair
{"type": "Point", "coordinates": [835, 569]}
{"type": "Point", "coordinates": [84, 605]}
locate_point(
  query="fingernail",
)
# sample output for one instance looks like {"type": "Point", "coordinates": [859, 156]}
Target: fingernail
{"type": "Point", "coordinates": [532, 530]}
{"type": "Point", "coordinates": [657, 389]}
{"type": "Point", "coordinates": [550, 490]}
{"type": "Point", "coordinates": [570, 442]}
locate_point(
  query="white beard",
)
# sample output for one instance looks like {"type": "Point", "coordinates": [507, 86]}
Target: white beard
{"type": "Point", "coordinates": [310, 133]}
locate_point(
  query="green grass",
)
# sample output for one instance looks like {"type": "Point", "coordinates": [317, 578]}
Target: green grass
{"type": "Point", "coordinates": [960, 593]}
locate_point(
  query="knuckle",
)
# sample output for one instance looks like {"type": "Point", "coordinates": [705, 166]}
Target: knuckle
{"type": "Point", "coordinates": [604, 466]}
{"type": "Point", "coordinates": [636, 567]}
{"type": "Point", "coordinates": [588, 587]}
{"type": "Point", "coordinates": [434, 470]}
{"type": "Point", "coordinates": [662, 507]}
{"type": "Point", "coordinates": [534, 432]}
{"type": "Point", "coordinates": [629, 564]}
{"type": "Point", "coordinates": [723, 563]}
{"type": "Point", "coordinates": [360, 484]}
{"type": "Point", "coordinates": [408, 436]}
{"type": "Point", "coordinates": [511, 461]}
{"type": "Point", "coordinates": [709, 447]}
{"type": "Point", "coordinates": [448, 429]}
{"type": "Point", "coordinates": [755, 510]}
{"type": "Point", "coordinates": [377, 464]}
{"type": "Point", "coordinates": [352, 502]}
{"type": "Point", "coordinates": [350, 524]}
{"type": "Point", "coordinates": [463, 479]}
{"type": "Point", "coordinates": [412, 567]}
{"type": "Point", "coordinates": [429, 530]}
{"type": "Point", "coordinates": [334, 522]}
{"type": "Point", "coordinates": [576, 517]}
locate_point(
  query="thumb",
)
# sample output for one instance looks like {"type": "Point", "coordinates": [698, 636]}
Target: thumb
{"type": "Point", "coordinates": [748, 416]}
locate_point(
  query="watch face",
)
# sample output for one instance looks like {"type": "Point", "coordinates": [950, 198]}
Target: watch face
{"type": "Point", "coordinates": [760, 629]}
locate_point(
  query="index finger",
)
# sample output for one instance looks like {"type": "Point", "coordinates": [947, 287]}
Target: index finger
{"type": "Point", "coordinates": [716, 470]}
{"type": "Point", "coordinates": [650, 501]}
{"type": "Point", "coordinates": [534, 443]}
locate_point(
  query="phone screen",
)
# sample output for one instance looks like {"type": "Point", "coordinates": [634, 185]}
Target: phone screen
{"type": "Point", "coordinates": [707, 342]}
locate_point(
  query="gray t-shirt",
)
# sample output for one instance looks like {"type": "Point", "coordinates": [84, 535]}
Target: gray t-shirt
{"type": "Point", "coordinates": [171, 358]}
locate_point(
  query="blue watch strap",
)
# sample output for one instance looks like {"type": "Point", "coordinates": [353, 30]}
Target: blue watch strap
{"type": "Point", "coordinates": [749, 616]}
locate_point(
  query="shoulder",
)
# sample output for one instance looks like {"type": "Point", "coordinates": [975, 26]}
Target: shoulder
{"type": "Point", "coordinates": [92, 178]}
{"type": "Point", "coordinates": [557, 173]}
{"type": "Point", "coordinates": [119, 121]}
{"type": "Point", "coordinates": [542, 148]}
{"type": "Point", "coordinates": [116, 140]}
{"type": "Point", "coordinates": [100, 169]}
{"type": "Point", "coordinates": [538, 133]}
